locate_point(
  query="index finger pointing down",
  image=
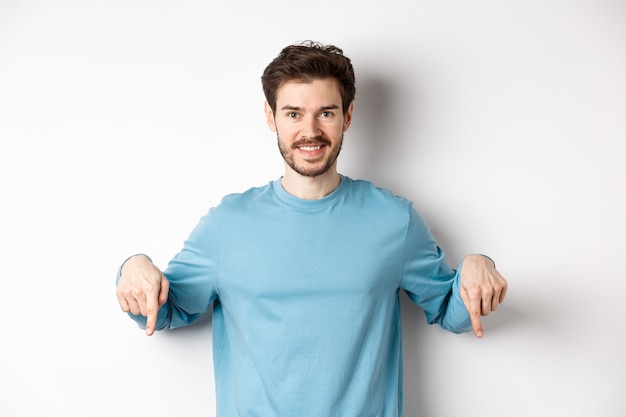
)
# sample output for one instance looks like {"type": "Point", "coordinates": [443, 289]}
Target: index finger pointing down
{"type": "Point", "coordinates": [152, 307]}
{"type": "Point", "coordinates": [473, 303]}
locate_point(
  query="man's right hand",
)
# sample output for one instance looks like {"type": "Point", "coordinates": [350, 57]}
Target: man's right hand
{"type": "Point", "coordinates": [142, 289]}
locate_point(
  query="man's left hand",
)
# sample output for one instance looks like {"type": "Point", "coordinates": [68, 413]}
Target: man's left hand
{"type": "Point", "coordinates": [482, 289]}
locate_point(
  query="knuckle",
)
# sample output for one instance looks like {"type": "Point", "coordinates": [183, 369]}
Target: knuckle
{"type": "Point", "coordinates": [474, 291]}
{"type": "Point", "coordinates": [136, 292]}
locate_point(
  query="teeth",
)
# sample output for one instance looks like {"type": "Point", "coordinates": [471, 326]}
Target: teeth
{"type": "Point", "coordinates": [310, 148]}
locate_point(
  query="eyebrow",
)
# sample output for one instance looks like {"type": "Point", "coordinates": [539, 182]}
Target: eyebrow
{"type": "Point", "coordinates": [323, 108]}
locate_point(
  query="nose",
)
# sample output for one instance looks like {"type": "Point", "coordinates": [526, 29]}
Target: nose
{"type": "Point", "coordinates": [310, 127]}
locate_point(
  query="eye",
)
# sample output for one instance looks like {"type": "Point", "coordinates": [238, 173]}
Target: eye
{"type": "Point", "coordinates": [326, 114]}
{"type": "Point", "coordinates": [292, 115]}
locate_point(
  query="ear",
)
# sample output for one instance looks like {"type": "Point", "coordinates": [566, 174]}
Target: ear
{"type": "Point", "coordinates": [269, 117]}
{"type": "Point", "coordinates": [347, 117]}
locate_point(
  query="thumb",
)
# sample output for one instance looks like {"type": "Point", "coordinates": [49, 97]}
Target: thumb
{"type": "Point", "coordinates": [164, 290]}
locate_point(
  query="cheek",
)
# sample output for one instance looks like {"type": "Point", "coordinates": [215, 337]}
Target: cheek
{"type": "Point", "coordinates": [338, 130]}
{"type": "Point", "coordinates": [285, 130]}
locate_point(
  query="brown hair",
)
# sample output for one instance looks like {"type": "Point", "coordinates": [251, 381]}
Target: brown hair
{"type": "Point", "coordinates": [309, 61]}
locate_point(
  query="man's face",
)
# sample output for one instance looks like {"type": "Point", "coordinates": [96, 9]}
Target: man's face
{"type": "Point", "coordinates": [310, 123]}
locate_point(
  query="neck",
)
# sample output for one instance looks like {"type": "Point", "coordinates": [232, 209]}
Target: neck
{"type": "Point", "coordinates": [310, 188]}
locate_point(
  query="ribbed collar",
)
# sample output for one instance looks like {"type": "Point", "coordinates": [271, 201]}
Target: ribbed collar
{"type": "Point", "coordinates": [309, 204]}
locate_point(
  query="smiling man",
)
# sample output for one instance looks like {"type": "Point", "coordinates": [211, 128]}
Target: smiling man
{"type": "Point", "coordinates": [312, 131]}
{"type": "Point", "coordinates": [310, 123]}
{"type": "Point", "coordinates": [304, 273]}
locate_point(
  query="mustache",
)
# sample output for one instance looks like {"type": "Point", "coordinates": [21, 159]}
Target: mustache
{"type": "Point", "coordinates": [317, 140]}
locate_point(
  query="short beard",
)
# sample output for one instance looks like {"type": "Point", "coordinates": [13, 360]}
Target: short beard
{"type": "Point", "coordinates": [289, 159]}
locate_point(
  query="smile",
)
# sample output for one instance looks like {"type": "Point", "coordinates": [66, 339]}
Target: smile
{"type": "Point", "coordinates": [311, 148]}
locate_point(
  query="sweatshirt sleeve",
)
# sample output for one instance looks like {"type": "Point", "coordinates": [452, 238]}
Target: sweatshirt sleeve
{"type": "Point", "coordinates": [192, 274]}
{"type": "Point", "coordinates": [429, 281]}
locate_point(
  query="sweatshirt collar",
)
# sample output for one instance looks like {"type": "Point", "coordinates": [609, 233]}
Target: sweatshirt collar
{"type": "Point", "coordinates": [309, 204]}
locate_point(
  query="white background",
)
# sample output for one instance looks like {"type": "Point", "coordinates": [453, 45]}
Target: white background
{"type": "Point", "coordinates": [122, 122]}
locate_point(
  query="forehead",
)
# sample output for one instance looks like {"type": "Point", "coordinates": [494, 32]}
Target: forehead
{"type": "Point", "coordinates": [302, 91]}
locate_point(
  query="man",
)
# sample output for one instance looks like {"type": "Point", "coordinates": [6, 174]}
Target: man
{"type": "Point", "coordinates": [304, 273]}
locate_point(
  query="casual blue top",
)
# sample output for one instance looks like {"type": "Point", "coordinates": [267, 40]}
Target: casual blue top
{"type": "Point", "coordinates": [306, 314]}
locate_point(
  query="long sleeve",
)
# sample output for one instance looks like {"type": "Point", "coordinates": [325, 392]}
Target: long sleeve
{"type": "Point", "coordinates": [192, 274]}
{"type": "Point", "coordinates": [430, 282]}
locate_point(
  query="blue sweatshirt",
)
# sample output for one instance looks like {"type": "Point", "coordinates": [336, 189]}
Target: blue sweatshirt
{"type": "Point", "coordinates": [306, 312]}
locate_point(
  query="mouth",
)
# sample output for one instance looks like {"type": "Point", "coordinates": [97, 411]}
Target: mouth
{"type": "Point", "coordinates": [310, 148]}
{"type": "Point", "coordinates": [312, 144]}
{"type": "Point", "coordinates": [311, 151]}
